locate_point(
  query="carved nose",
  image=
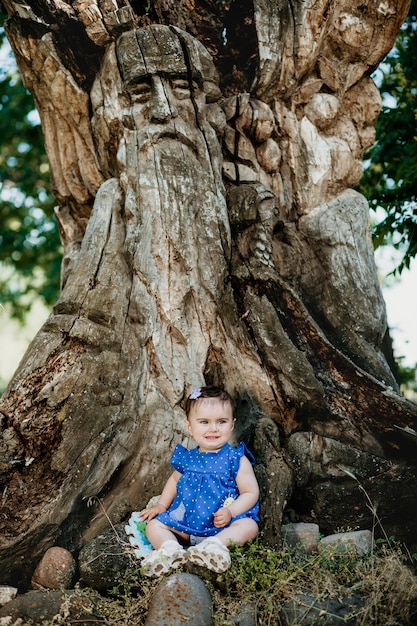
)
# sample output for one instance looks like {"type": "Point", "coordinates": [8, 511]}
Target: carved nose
{"type": "Point", "coordinates": [162, 108]}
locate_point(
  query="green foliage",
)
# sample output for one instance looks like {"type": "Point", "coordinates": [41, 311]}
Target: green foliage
{"type": "Point", "coordinates": [257, 568]}
{"type": "Point", "coordinates": [407, 376]}
{"type": "Point", "coordinates": [30, 249]}
{"type": "Point", "coordinates": [390, 180]}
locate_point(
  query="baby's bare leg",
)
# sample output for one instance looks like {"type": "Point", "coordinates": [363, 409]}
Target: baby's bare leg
{"type": "Point", "coordinates": [158, 533]}
{"type": "Point", "coordinates": [239, 532]}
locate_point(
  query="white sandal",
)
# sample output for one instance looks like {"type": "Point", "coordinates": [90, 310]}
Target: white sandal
{"type": "Point", "coordinates": [210, 553]}
{"type": "Point", "coordinates": [169, 556]}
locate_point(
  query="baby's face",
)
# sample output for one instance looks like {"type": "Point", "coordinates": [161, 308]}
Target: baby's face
{"type": "Point", "coordinates": [210, 423]}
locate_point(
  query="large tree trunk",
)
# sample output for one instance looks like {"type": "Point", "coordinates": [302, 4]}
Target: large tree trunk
{"type": "Point", "coordinates": [210, 235]}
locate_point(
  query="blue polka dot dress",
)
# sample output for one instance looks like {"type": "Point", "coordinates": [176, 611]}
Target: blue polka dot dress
{"type": "Point", "coordinates": [208, 478]}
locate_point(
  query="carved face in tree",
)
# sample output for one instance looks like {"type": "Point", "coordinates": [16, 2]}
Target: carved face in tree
{"type": "Point", "coordinates": [167, 74]}
{"type": "Point", "coordinates": [167, 78]}
{"type": "Point", "coordinates": [160, 82]}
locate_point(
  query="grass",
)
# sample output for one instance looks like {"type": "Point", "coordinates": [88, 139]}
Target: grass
{"type": "Point", "coordinates": [265, 578]}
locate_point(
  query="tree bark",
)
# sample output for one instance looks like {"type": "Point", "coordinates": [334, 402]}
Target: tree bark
{"type": "Point", "coordinates": [204, 168]}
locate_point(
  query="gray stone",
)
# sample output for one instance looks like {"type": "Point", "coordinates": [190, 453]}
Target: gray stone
{"type": "Point", "coordinates": [7, 593]}
{"type": "Point", "coordinates": [306, 609]}
{"type": "Point", "coordinates": [246, 616]}
{"type": "Point", "coordinates": [303, 536]}
{"type": "Point", "coordinates": [180, 599]}
{"type": "Point", "coordinates": [108, 560]}
{"type": "Point", "coordinates": [37, 607]}
{"type": "Point", "coordinates": [355, 543]}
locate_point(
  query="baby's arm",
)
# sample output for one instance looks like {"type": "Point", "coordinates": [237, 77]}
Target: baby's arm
{"type": "Point", "coordinates": [165, 499]}
{"type": "Point", "coordinates": [248, 495]}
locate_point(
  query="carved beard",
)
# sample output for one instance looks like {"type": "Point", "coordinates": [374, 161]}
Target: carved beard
{"type": "Point", "coordinates": [177, 222]}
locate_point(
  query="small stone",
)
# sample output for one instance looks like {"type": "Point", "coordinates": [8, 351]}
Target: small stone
{"type": "Point", "coordinates": [56, 570]}
{"type": "Point", "coordinates": [180, 599]}
{"type": "Point", "coordinates": [246, 616]}
{"type": "Point", "coordinates": [303, 536]}
{"type": "Point", "coordinates": [6, 594]}
{"type": "Point", "coordinates": [357, 543]}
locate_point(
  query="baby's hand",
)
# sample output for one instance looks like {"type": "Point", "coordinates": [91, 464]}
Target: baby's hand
{"type": "Point", "coordinates": [222, 517]}
{"type": "Point", "coordinates": [151, 512]}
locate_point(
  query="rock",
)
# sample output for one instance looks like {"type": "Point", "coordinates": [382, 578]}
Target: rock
{"type": "Point", "coordinates": [357, 543]}
{"type": "Point", "coordinates": [56, 570]}
{"type": "Point", "coordinates": [180, 599]}
{"type": "Point", "coordinates": [307, 609]}
{"type": "Point", "coordinates": [37, 607]}
{"type": "Point", "coordinates": [302, 536]}
{"type": "Point", "coordinates": [246, 616]}
{"type": "Point", "coordinates": [6, 594]}
{"type": "Point", "coordinates": [105, 561]}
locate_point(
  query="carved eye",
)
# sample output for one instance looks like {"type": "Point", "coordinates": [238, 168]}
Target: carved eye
{"type": "Point", "coordinates": [181, 88]}
{"type": "Point", "coordinates": [141, 91]}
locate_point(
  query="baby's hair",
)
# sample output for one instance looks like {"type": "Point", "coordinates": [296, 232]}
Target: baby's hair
{"type": "Point", "coordinates": [211, 391]}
